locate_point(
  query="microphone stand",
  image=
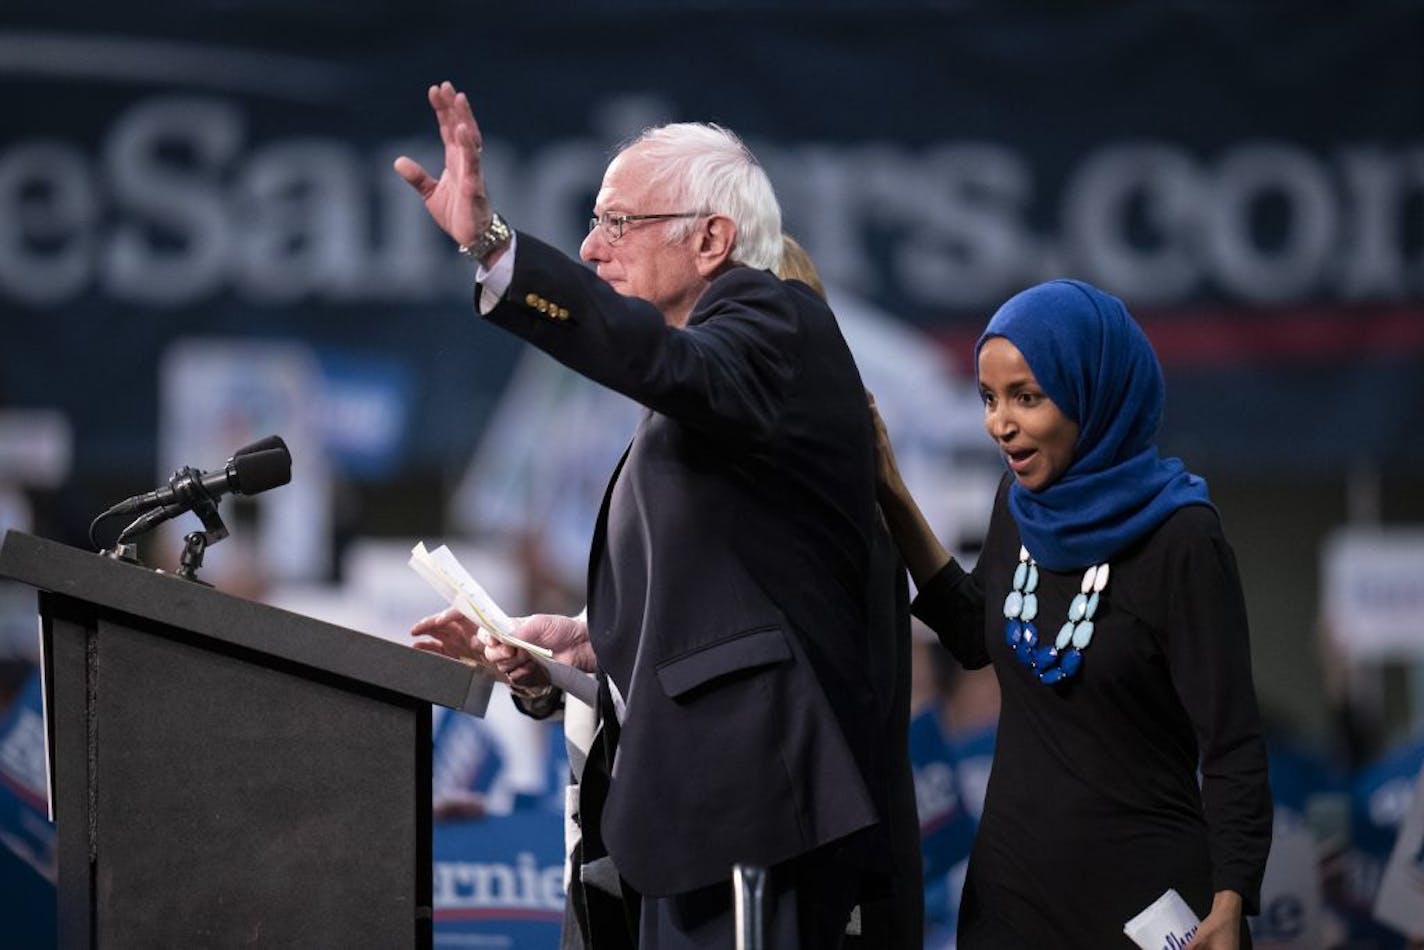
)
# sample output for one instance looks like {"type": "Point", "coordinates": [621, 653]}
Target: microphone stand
{"type": "Point", "coordinates": [195, 544]}
{"type": "Point", "coordinates": [253, 468]}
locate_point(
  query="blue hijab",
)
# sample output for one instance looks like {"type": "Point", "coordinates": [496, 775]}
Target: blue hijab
{"type": "Point", "coordinates": [1094, 362]}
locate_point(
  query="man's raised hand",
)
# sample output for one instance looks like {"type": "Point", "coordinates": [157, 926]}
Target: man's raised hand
{"type": "Point", "coordinates": [457, 200]}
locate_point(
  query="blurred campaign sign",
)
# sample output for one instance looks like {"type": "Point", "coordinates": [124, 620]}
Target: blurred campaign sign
{"type": "Point", "coordinates": [1381, 798]}
{"type": "Point", "coordinates": [946, 823]}
{"type": "Point", "coordinates": [498, 883]}
{"type": "Point", "coordinates": [465, 758]}
{"type": "Point", "coordinates": [1309, 835]}
{"type": "Point", "coordinates": [36, 447]}
{"type": "Point", "coordinates": [27, 837]}
{"type": "Point", "coordinates": [1400, 901]}
{"type": "Point", "coordinates": [218, 394]}
{"type": "Point", "coordinates": [1292, 910]}
{"type": "Point", "coordinates": [364, 410]}
{"type": "Point", "coordinates": [946, 826]}
{"type": "Point", "coordinates": [1372, 591]}
{"type": "Point", "coordinates": [24, 781]}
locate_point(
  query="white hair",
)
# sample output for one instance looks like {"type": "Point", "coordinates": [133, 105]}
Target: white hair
{"type": "Point", "coordinates": [707, 168]}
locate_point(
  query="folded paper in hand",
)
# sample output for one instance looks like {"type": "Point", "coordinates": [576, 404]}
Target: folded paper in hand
{"type": "Point", "coordinates": [1166, 924]}
{"type": "Point", "coordinates": [444, 572]}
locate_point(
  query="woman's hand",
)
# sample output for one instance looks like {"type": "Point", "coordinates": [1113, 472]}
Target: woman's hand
{"type": "Point", "coordinates": [887, 473]}
{"type": "Point", "coordinates": [1221, 930]}
{"type": "Point", "coordinates": [924, 555]}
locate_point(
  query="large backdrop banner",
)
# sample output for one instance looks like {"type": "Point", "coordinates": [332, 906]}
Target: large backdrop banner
{"type": "Point", "coordinates": [1249, 178]}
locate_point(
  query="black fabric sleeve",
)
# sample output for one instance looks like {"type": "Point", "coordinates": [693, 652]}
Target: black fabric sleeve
{"type": "Point", "coordinates": [1208, 652]}
{"type": "Point", "coordinates": [727, 372]}
{"type": "Point", "coordinates": [952, 605]}
{"type": "Point", "coordinates": [952, 602]}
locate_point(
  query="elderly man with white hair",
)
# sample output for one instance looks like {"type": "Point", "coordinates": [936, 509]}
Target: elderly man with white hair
{"type": "Point", "coordinates": [728, 575]}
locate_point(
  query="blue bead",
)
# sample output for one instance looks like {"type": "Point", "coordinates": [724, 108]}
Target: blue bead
{"type": "Point", "coordinates": [1032, 583]}
{"type": "Point", "coordinates": [1070, 661]}
{"type": "Point", "coordinates": [1020, 576]}
{"type": "Point", "coordinates": [1030, 634]}
{"type": "Point", "coordinates": [1045, 657]}
{"type": "Point", "coordinates": [1024, 651]}
{"type": "Point", "coordinates": [1052, 676]}
{"type": "Point", "coordinates": [1092, 607]}
{"type": "Point", "coordinates": [1065, 635]}
{"type": "Point", "coordinates": [1083, 635]}
{"type": "Point", "coordinates": [1077, 608]}
{"type": "Point", "coordinates": [1013, 632]}
{"type": "Point", "coordinates": [1030, 607]}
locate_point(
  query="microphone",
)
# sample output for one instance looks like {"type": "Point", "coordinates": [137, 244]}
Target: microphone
{"type": "Point", "coordinates": [270, 442]}
{"type": "Point", "coordinates": [252, 469]}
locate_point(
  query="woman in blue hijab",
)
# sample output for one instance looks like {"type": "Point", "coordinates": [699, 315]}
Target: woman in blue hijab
{"type": "Point", "coordinates": [1109, 603]}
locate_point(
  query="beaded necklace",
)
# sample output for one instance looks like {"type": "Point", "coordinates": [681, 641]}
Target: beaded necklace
{"type": "Point", "coordinates": [1063, 657]}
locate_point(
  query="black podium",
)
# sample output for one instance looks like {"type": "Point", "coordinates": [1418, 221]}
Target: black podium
{"type": "Point", "coordinates": [228, 774]}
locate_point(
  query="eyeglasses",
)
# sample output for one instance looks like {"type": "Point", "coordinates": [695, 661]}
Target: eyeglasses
{"type": "Point", "coordinates": [613, 224]}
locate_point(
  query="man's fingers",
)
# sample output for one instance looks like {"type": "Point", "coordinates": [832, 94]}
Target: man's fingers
{"type": "Point", "coordinates": [495, 650]}
{"type": "Point", "coordinates": [500, 652]}
{"type": "Point", "coordinates": [440, 102]}
{"type": "Point", "coordinates": [468, 150]}
{"type": "Point", "coordinates": [417, 177]}
{"type": "Point", "coordinates": [465, 115]}
{"type": "Point", "coordinates": [426, 624]}
{"type": "Point", "coordinates": [450, 618]}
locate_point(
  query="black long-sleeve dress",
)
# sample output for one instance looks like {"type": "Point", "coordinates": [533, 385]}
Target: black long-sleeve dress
{"type": "Point", "coordinates": [1093, 807]}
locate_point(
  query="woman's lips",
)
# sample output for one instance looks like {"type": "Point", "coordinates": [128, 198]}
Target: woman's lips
{"type": "Point", "coordinates": [1020, 459]}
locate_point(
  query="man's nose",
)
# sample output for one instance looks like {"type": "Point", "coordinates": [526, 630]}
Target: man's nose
{"type": "Point", "coordinates": [592, 245]}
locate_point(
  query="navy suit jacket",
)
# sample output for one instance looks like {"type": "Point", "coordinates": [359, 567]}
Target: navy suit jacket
{"type": "Point", "coordinates": [728, 573]}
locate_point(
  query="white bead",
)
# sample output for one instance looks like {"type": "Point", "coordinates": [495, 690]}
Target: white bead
{"type": "Point", "coordinates": [1101, 581]}
{"type": "Point", "coordinates": [1088, 575]}
{"type": "Point", "coordinates": [1023, 553]}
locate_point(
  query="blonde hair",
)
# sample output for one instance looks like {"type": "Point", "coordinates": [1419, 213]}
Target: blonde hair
{"type": "Point", "coordinates": [796, 264]}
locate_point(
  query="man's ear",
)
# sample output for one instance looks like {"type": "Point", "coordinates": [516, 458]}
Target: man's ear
{"type": "Point", "coordinates": [712, 243]}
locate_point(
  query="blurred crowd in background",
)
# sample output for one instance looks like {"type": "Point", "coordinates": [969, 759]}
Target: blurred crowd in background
{"type": "Point", "coordinates": [202, 243]}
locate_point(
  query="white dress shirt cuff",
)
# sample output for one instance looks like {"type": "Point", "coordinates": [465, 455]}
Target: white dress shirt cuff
{"type": "Point", "coordinates": [494, 281]}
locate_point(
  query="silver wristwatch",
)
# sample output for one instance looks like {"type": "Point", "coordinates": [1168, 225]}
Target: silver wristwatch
{"type": "Point", "coordinates": [497, 235]}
